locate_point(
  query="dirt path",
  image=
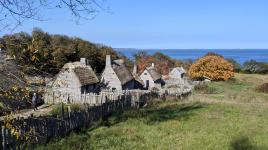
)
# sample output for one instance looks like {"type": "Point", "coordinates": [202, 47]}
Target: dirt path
{"type": "Point", "coordinates": [41, 111]}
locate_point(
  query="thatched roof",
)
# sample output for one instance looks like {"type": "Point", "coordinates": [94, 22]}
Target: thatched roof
{"type": "Point", "coordinates": [155, 75]}
{"type": "Point", "coordinates": [122, 72]}
{"type": "Point", "coordinates": [84, 73]}
{"type": "Point", "coordinates": [138, 79]}
{"type": "Point", "coordinates": [180, 69]}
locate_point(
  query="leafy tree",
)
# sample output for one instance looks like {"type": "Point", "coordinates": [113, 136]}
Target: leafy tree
{"type": "Point", "coordinates": [162, 57]}
{"type": "Point", "coordinates": [253, 66]}
{"type": "Point", "coordinates": [101, 56]}
{"type": "Point", "coordinates": [41, 52]}
{"type": "Point", "coordinates": [143, 60]}
{"type": "Point", "coordinates": [163, 67]}
{"type": "Point", "coordinates": [213, 54]}
{"type": "Point", "coordinates": [237, 66]}
{"type": "Point", "coordinates": [128, 62]}
{"type": "Point", "coordinates": [2, 44]}
{"type": "Point", "coordinates": [162, 62]}
{"type": "Point", "coordinates": [214, 67]}
{"type": "Point", "coordinates": [186, 64]}
{"type": "Point", "coordinates": [18, 46]}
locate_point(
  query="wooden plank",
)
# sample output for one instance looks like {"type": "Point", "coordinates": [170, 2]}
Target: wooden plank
{"type": "Point", "coordinates": [4, 146]}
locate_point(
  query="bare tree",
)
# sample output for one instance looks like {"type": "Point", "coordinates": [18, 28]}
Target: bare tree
{"type": "Point", "coordinates": [14, 12]}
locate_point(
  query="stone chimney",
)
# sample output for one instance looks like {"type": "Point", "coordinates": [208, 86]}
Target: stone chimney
{"type": "Point", "coordinates": [83, 61]}
{"type": "Point", "coordinates": [108, 61]}
{"type": "Point", "coordinates": [153, 65]}
{"type": "Point", "coordinates": [135, 69]}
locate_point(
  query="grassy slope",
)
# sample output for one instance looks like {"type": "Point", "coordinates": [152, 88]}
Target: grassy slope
{"type": "Point", "coordinates": [233, 117]}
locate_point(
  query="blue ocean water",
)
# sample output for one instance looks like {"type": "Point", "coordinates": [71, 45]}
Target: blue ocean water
{"type": "Point", "coordinates": [183, 54]}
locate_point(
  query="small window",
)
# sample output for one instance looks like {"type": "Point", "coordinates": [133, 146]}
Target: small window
{"type": "Point", "coordinates": [113, 89]}
{"type": "Point", "coordinates": [145, 73]}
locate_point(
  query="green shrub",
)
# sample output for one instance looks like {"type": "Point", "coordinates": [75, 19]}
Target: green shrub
{"type": "Point", "coordinates": [56, 110]}
{"type": "Point", "coordinates": [253, 66]}
{"type": "Point", "coordinates": [75, 107]}
{"type": "Point", "coordinates": [237, 66]}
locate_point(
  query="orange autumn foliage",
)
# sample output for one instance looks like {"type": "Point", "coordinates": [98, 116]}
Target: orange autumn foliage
{"type": "Point", "coordinates": [144, 62]}
{"type": "Point", "coordinates": [162, 67]}
{"type": "Point", "coordinates": [214, 67]}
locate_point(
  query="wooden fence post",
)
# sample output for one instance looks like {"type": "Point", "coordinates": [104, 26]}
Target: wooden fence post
{"type": "Point", "coordinates": [4, 138]}
{"type": "Point", "coordinates": [53, 98]}
{"type": "Point", "coordinates": [62, 111]}
{"type": "Point", "coordinates": [8, 137]}
{"type": "Point", "coordinates": [69, 117]}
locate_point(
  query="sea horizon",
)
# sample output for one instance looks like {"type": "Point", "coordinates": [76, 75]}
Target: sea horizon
{"type": "Point", "coordinates": [240, 55]}
{"type": "Point", "coordinates": [141, 49]}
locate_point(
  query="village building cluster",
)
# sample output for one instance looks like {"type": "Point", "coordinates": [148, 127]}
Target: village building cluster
{"type": "Point", "coordinates": [78, 78]}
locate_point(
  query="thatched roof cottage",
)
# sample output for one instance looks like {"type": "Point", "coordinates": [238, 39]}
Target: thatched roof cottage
{"type": "Point", "coordinates": [75, 78]}
{"type": "Point", "coordinates": [117, 76]}
{"type": "Point", "coordinates": [177, 73]}
{"type": "Point", "coordinates": [177, 77]}
{"type": "Point", "coordinates": [151, 78]}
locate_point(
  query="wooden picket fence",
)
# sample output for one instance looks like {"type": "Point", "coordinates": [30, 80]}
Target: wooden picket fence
{"type": "Point", "coordinates": [23, 132]}
{"type": "Point", "coordinates": [54, 97]}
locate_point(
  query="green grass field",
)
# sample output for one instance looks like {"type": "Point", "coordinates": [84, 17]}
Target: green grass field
{"type": "Point", "coordinates": [232, 116]}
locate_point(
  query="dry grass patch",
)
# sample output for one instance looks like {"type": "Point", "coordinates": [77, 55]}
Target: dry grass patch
{"type": "Point", "coordinates": [263, 88]}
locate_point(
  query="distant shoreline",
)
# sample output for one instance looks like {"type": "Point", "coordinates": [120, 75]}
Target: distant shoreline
{"type": "Point", "coordinates": [240, 55]}
{"type": "Point", "coordinates": [179, 49]}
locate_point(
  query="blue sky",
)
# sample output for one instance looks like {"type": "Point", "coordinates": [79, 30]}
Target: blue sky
{"type": "Point", "coordinates": [168, 24]}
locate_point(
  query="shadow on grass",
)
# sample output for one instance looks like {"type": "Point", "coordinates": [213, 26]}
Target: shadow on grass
{"type": "Point", "coordinates": [243, 143]}
{"type": "Point", "coordinates": [176, 112]}
{"type": "Point", "coordinates": [154, 114]}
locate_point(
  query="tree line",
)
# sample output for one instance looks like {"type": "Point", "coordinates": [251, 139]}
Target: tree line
{"type": "Point", "coordinates": [41, 52]}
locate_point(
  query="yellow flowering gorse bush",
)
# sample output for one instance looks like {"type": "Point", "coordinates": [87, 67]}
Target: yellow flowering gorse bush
{"type": "Point", "coordinates": [214, 67]}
